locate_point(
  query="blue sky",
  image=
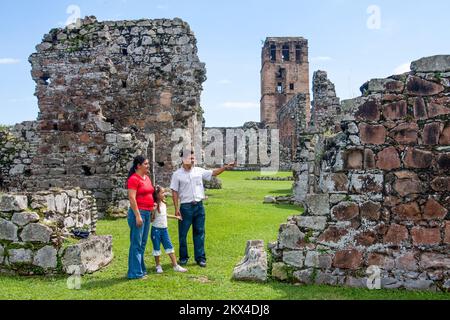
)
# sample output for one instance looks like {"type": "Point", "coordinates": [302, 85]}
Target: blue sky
{"type": "Point", "coordinates": [343, 40]}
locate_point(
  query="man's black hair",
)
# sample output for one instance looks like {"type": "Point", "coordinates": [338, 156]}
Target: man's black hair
{"type": "Point", "coordinates": [182, 153]}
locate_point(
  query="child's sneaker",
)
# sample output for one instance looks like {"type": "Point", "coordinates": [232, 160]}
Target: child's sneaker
{"type": "Point", "coordinates": [159, 269]}
{"type": "Point", "coordinates": [179, 268]}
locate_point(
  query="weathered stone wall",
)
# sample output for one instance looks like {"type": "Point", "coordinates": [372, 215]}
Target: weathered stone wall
{"type": "Point", "coordinates": [325, 120]}
{"type": "Point", "coordinates": [384, 190]}
{"type": "Point", "coordinates": [326, 106]}
{"type": "Point", "coordinates": [34, 233]}
{"type": "Point", "coordinates": [107, 91]}
{"type": "Point", "coordinates": [292, 123]}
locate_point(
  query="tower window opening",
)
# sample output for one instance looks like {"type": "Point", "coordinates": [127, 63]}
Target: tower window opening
{"type": "Point", "coordinates": [285, 51]}
{"type": "Point", "coordinates": [280, 87]}
{"type": "Point", "coordinates": [291, 86]}
{"type": "Point", "coordinates": [298, 53]}
{"type": "Point", "coordinates": [273, 52]}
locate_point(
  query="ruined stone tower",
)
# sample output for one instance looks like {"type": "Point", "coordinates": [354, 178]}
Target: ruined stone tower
{"type": "Point", "coordinates": [284, 74]}
{"type": "Point", "coordinates": [107, 92]}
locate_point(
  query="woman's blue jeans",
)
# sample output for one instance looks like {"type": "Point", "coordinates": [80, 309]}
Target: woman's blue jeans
{"type": "Point", "coordinates": [138, 242]}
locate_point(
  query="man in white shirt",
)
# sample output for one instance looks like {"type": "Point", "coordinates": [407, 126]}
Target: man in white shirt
{"type": "Point", "coordinates": [188, 195]}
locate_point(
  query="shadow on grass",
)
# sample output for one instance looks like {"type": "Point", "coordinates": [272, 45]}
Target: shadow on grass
{"type": "Point", "coordinates": [284, 192]}
{"type": "Point", "coordinates": [104, 283]}
{"type": "Point", "coordinates": [300, 209]}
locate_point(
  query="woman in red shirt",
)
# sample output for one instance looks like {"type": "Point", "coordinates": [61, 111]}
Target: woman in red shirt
{"type": "Point", "coordinates": [140, 194]}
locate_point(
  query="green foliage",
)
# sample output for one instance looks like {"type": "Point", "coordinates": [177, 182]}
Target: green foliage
{"type": "Point", "coordinates": [4, 128]}
{"type": "Point", "coordinates": [308, 236]}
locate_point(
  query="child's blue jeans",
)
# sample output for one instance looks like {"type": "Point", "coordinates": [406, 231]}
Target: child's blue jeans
{"type": "Point", "coordinates": [159, 236]}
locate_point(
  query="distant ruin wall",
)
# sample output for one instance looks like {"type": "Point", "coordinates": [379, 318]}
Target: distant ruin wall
{"type": "Point", "coordinates": [107, 91]}
{"type": "Point", "coordinates": [383, 195]}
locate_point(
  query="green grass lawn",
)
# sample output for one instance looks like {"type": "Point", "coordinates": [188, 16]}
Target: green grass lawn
{"type": "Point", "coordinates": [234, 215]}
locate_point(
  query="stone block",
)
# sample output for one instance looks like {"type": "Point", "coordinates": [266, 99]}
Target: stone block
{"type": "Point", "coordinates": [407, 262]}
{"type": "Point", "coordinates": [418, 159]}
{"type": "Point", "coordinates": [431, 133]}
{"type": "Point", "coordinates": [23, 218]}
{"type": "Point", "coordinates": [36, 233]}
{"type": "Point", "coordinates": [19, 256]}
{"type": "Point", "coordinates": [46, 258]}
{"type": "Point", "coordinates": [438, 63]}
{"type": "Point", "coordinates": [419, 87]}
{"type": "Point", "coordinates": [365, 183]}
{"type": "Point", "coordinates": [348, 259]}
{"type": "Point", "coordinates": [345, 211]}
{"type": "Point", "coordinates": [13, 203]}
{"type": "Point", "coordinates": [443, 161]}
{"type": "Point", "coordinates": [370, 210]}
{"type": "Point", "coordinates": [8, 231]}
{"type": "Point", "coordinates": [407, 212]}
{"type": "Point", "coordinates": [425, 236]}
{"type": "Point", "coordinates": [304, 276]}
{"type": "Point", "coordinates": [88, 255]}
{"type": "Point", "coordinates": [431, 260]}
{"type": "Point", "coordinates": [441, 184]}
{"type": "Point", "coordinates": [396, 235]}
{"type": "Point", "coordinates": [395, 111]}
{"type": "Point", "coordinates": [372, 134]}
{"type": "Point", "coordinates": [407, 183]}
{"type": "Point", "coordinates": [318, 204]}
{"type": "Point", "coordinates": [253, 266]}
{"type": "Point", "coordinates": [314, 223]}
{"type": "Point", "coordinates": [294, 258]}
{"type": "Point", "coordinates": [290, 236]}
{"type": "Point", "coordinates": [447, 232]}
{"type": "Point", "coordinates": [279, 271]}
{"type": "Point", "coordinates": [388, 159]}
{"type": "Point", "coordinates": [434, 210]}
{"type": "Point", "coordinates": [405, 133]}
{"type": "Point", "coordinates": [369, 111]}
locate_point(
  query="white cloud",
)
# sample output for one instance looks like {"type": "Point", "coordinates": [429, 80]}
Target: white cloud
{"type": "Point", "coordinates": [322, 58]}
{"type": "Point", "coordinates": [240, 105]}
{"type": "Point", "coordinates": [403, 68]}
{"type": "Point", "coordinates": [9, 61]}
{"type": "Point", "coordinates": [224, 81]}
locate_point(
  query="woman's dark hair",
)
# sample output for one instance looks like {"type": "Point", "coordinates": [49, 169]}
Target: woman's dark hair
{"type": "Point", "coordinates": [139, 160]}
{"type": "Point", "coordinates": [156, 197]}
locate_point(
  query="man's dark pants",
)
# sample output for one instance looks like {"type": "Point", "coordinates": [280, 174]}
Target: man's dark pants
{"type": "Point", "coordinates": [193, 214]}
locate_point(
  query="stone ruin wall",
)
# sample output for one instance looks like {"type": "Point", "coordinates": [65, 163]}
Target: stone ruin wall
{"type": "Point", "coordinates": [35, 228]}
{"type": "Point", "coordinates": [381, 190]}
{"type": "Point", "coordinates": [106, 92]}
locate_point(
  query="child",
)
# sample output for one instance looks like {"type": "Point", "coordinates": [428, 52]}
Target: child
{"type": "Point", "coordinates": [160, 233]}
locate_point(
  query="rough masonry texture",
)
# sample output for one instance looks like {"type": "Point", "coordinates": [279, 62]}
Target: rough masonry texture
{"type": "Point", "coordinates": [376, 187]}
{"type": "Point", "coordinates": [35, 228]}
{"type": "Point", "coordinates": [107, 91]}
